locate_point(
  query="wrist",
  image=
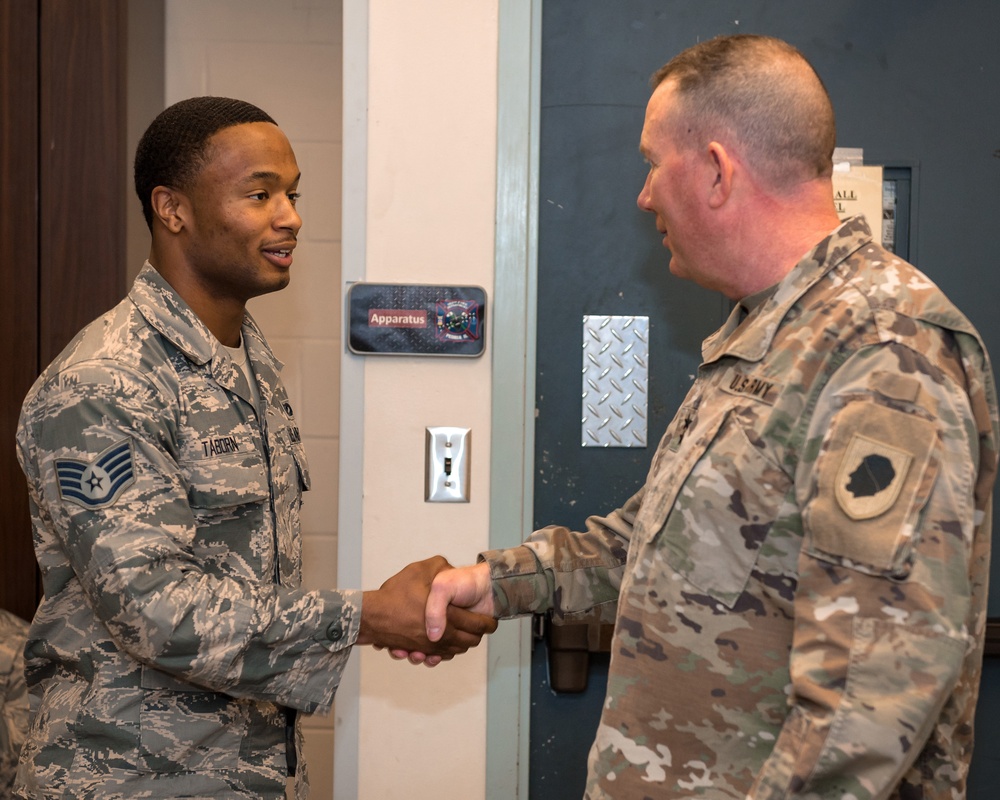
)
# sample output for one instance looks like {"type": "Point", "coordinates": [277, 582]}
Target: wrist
{"type": "Point", "coordinates": [486, 584]}
{"type": "Point", "coordinates": [369, 608]}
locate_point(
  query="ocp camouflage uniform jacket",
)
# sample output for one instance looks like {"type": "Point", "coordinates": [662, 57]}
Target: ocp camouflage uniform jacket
{"type": "Point", "coordinates": [800, 586]}
{"type": "Point", "coordinates": [173, 632]}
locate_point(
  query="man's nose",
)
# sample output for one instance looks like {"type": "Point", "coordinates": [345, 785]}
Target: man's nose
{"type": "Point", "coordinates": [643, 199]}
{"type": "Point", "coordinates": [288, 217]}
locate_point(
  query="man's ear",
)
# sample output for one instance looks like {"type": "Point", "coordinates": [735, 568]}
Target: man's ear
{"type": "Point", "coordinates": [170, 207]}
{"type": "Point", "coordinates": [721, 165]}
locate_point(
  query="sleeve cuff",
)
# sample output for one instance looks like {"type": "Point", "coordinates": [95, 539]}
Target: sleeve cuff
{"type": "Point", "coordinates": [520, 586]}
{"type": "Point", "coordinates": [340, 621]}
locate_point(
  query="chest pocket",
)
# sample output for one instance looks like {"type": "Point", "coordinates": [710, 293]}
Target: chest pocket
{"type": "Point", "coordinates": [229, 498]}
{"type": "Point", "coordinates": [723, 509]}
{"type": "Point", "coordinates": [292, 467]}
{"type": "Point", "coordinates": [299, 453]}
{"type": "Point", "coordinates": [226, 481]}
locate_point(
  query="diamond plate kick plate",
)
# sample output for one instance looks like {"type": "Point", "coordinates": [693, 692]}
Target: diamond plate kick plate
{"type": "Point", "coordinates": [615, 381]}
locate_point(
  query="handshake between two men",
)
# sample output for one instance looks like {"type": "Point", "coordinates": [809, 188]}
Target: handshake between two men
{"type": "Point", "coordinates": [429, 611]}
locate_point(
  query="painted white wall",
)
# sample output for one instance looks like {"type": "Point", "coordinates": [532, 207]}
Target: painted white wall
{"type": "Point", "coordinates": [429, 187]}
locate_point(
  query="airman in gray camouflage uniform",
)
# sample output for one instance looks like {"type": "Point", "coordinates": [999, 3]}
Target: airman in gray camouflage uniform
{"type": "Point", "coordinates": [174, 643]}
{"type": "Point", "coordinates": [166, 526]}
{"type": "Point", "coordinates": [13, 696]}
{"type": "Point", "coordinates": [799, 589]}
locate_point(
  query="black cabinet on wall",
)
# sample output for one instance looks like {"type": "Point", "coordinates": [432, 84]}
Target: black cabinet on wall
{"type": "Point", "coordinates": [62, 216]}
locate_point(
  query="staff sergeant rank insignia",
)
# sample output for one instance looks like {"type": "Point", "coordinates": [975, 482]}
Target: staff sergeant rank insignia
{"type": "Point", "coordinates": [98, 483]}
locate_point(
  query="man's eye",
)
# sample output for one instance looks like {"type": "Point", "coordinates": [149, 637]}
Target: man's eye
{"type": "Point", "coordinates": [259, 195]}
{"type": "Point", "coordinates": [294, 197]}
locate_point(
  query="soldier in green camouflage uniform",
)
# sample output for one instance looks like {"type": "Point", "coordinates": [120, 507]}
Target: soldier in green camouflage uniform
{"type": "Point", "coordinates": [799, 589]}
{"type": "Point", "coordinates": [174, 643]}
{"type": "Point", "coordinates": [13, 696]}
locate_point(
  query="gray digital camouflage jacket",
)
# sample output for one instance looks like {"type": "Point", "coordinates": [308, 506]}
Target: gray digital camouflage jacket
{"type": "Point", "coordinates": [173, 632]}
{"type": "Point", "coordinates": [13, 697]}
{"type": "Point", "coordinates": [799, 589]}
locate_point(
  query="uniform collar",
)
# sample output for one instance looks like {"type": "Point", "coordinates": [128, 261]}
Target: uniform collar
{"type": "Point", "coordinates": [167, 312]}
{"type": "Point", "coordinates": [751, 342]}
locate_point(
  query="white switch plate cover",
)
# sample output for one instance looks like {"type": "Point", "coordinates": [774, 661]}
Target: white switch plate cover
{"type": "Point", "coordinates": [447, 465]}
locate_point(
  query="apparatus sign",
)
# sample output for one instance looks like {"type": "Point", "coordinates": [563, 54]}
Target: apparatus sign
{"type": "Point", "coordinates": [416, 319]}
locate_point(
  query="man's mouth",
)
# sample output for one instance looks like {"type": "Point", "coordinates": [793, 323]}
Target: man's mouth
{"type": "Point", "coordinates": [280, 255]}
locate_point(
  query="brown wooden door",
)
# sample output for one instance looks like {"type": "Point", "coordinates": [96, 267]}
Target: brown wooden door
{"type": "Point", "coordinates": [62, 216]}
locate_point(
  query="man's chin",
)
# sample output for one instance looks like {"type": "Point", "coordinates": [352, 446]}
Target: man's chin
{"type": "Point", "coordinates": [274, 283]}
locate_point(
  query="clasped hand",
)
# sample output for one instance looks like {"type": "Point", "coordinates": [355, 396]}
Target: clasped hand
{"type": "Point", "coordinates": [429, 611]}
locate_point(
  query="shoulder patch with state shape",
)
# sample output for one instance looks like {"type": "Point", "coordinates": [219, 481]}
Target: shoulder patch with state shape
{"type": "Point", "coordinates": [870, 477]}
{"type": "Point", "coordinates": [871, 482]}
{"type": "Point", "coordinates": [98, 483]}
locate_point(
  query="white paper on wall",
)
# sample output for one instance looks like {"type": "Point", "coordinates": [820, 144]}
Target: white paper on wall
{"type": "Point", "coordinates": [857, 189]}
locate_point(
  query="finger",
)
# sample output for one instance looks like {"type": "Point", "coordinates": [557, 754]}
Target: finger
{"type": "Point", "coordinates": [433, 565]}
{"type": "Point", "coordinates": [436, 611]}
{"type": "Point", "coordinates": [462, 619]}
{"type": "Point", "coordinates": [464, 630]}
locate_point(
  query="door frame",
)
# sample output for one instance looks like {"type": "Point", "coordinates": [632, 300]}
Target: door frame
{"type": "Point", "coordinates": [513, 400]}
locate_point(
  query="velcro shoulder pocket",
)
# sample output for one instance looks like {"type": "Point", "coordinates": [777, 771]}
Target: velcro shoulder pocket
{"type": "Point", "coordinates": [873, 476]}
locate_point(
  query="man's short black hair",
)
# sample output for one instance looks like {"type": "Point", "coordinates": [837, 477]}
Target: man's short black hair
{"type": "Point", "coordinates": [172, 150]}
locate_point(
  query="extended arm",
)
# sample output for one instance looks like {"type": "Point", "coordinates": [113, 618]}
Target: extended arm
{"type": "Point", "coordinates": [586, 566]}
{"type": "Point", "coordinates": [195, 602]}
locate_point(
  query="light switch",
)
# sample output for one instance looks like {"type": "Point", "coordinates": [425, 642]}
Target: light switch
{"type": "Point", "coordinates": [446, 477]}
